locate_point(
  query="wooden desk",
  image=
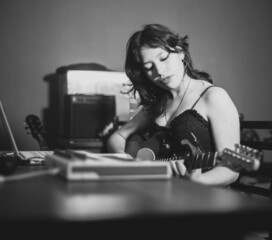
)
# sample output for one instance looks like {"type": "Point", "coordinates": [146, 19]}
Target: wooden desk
{"type": "Point", "coordinates": [151, 207]}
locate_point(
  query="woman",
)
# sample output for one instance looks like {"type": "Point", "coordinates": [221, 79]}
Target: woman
{"type": "Point", "coordinates": [178, 102]}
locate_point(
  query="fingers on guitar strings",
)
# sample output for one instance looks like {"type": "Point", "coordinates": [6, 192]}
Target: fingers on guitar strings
{"type": "Point", "coordinates": [182, 170]}
{"type": "Point", "coordinates": [178, 168]}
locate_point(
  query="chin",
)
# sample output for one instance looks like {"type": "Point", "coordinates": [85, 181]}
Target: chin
{"type": "Point", "coordinates": [173, 85]}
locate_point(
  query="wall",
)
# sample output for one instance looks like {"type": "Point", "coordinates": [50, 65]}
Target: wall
{"type": "Point", "coordinates": [229, 39]}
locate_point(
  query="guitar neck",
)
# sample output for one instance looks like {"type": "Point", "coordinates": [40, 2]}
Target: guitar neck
{"type": "Point", "coordinates": [202, 160]}
{"type": "Point", "coordinates": [241, 158]}
{"type": "Point", "coordinates": [42, 142]}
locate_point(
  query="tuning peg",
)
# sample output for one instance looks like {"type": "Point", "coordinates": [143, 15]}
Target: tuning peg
{"type": "Point", "coordinates": [237, 147]}
{"type": "Point", "coordinates": [259, 155]}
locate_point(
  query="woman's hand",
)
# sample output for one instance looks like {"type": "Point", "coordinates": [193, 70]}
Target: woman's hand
{"type": "Point", "coordinates": [180, 170]}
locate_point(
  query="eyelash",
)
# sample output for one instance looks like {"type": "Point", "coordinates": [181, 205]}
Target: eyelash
{"type": "Point", "coordinates": [163, 59]}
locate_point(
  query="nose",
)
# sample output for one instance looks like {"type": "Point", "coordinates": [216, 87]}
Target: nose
{"type": "Point", "coordinates": [160, 71]}
{"type": "Point", "coordinates": [161, 75]}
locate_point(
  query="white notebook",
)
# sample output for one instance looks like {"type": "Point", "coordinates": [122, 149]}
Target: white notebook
{"type": "Point", "coordinates": [85, 166]}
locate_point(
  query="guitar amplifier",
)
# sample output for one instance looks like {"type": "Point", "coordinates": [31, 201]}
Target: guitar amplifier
{"type": "Point", "coordinates": [85, 116]}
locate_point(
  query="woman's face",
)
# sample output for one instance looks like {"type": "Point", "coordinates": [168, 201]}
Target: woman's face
{"type": "Point", "coordinates": [163, 68]}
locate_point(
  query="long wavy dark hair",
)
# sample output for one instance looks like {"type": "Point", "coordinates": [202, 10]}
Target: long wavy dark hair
{"type": "Point", "coordinates": [152, 97]}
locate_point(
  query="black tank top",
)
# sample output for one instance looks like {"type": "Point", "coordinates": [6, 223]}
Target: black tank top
{"type": "Point", "coordinates": [188, 125]}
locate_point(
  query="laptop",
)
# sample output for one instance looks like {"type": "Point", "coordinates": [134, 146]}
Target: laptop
{"type": "Point", "coordinates": [25, 157]}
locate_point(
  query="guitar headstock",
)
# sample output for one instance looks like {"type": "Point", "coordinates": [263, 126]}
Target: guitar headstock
{"type": "Point", "coordinates": [241, 158]}
{"type": "Point", "coordinates": [34, 124]}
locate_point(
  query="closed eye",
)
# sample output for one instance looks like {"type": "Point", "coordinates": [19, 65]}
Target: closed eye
{"type": "Point", "coordinates": [165, 58]}
{"type": "Point", "coordinates": [148, 68]}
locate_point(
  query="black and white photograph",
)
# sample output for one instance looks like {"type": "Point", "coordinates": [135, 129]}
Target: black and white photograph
{"type": "Point", "coordinates": [132, 119]}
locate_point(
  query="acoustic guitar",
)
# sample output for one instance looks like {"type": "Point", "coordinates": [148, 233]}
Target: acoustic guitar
{"type": "Point", "coordinates": [35, 126]}
{"type": "Point", "coordinates": [242, 158]}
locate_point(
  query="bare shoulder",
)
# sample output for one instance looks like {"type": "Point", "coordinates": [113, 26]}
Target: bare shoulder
{"type": "Point", "coordinates": [216, 94]}
{"type": "Point", "coordinates": [218, 102]}
{"type": "Point", "coordinates": [216, 91]}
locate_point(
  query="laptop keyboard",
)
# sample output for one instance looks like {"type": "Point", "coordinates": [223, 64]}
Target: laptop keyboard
{"type": "Point", "coordinates": [34, 154]}
{"type": "Point", "coordinates": [33, 157]}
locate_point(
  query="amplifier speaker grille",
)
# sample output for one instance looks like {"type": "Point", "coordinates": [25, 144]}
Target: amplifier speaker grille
{"type": "Point", "coordinates": [87, 115]}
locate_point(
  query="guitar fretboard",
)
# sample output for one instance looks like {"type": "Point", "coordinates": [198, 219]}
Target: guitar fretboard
{"type": "Point", "coordinates": [203, 160]}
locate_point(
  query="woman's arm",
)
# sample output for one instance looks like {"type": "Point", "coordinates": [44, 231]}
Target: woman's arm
{"type": "Point", "coordinates": [117, 141]}
{"type": "Point", "coordinates": [223, 117]}
{"type": "Point", "coordinates": [224, 120]}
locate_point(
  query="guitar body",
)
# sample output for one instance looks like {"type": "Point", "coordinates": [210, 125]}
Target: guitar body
{"type": "Point", "coordinates": [191, 154]}
{"type": "Point", "coordinates": [156, 143]}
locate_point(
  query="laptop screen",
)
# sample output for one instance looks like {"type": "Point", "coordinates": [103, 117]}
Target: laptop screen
{"type": "Point", "coordinates": [7, 127]}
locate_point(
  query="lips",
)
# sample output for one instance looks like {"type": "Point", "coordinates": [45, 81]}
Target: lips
{"type": "Point", "coordinates": [165, 80]}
